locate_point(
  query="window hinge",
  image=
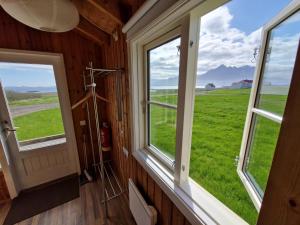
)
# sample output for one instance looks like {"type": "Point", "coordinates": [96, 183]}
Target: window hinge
{"type": "Point", "coordinates": [144, 106]}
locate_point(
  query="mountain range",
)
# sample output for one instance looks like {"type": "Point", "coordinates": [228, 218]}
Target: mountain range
{"type": "Point", "coordinates": [25, 89]}
{"type": "Point", "coordinates": [220, 76]}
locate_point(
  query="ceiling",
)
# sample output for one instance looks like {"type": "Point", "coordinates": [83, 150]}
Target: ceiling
{"type": "Point", "coordinates": [100, 18]}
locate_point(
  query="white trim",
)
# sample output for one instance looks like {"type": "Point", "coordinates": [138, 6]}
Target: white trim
{"type": "Point", "coordinates": [187, 84]}
{"type": "Point", "coordinates": [254, 195]}
{"type": "Point", "coordinates": [139, 14]}
{"type": "Point", "coordinates": [171, 32]}
{"type": "Point", "coordinates": [8, 169]}
{"type": "Point", "coordinates": [176, 12]}
{"type": "Point", "coordinates": [198, 206]}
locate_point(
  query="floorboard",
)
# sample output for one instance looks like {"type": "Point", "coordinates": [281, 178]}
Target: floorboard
{"type": "Point", "coordinates": [85, 210]}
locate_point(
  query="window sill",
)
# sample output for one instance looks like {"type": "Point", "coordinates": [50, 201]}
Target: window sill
{"type": "Point", "coordinates": [43, 144]}
{"type": "Point", "coordinates": [198, 205]}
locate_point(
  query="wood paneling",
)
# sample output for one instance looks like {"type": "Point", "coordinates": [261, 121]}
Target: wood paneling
{"type": "Point", "coordinates": [4, 195]}
{"type": "Point", "coordinates": [77, 52]}
{"type": "Point", "coordinates": [91, 32]}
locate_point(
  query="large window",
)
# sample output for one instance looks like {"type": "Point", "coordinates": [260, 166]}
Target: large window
{"type": "Point", "coordinates": [213, 100]}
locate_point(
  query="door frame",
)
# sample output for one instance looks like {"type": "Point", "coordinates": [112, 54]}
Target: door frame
{"type": "Point", "coordinates": [57, 60]}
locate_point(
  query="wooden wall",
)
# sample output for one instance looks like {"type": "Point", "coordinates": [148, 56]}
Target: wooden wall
{"type": "Point", "coordinates": [77, 52]}
{"type": "Point", "coordinates": [4, 195]}
{"type": "Point", "coordinates": [115, 56]}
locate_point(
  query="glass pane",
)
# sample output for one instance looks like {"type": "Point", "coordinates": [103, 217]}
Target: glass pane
{"type": "Point", "coordinates": [164, 72]}
{"type": "Point", "coordinates": [264, 139]}
{"type": "Point", "coordinates": [279, 65]}
{"type": "Point", "coordinates": [163, 129]}
{"type": "Point", "coordinates": [227, 55]}
{"type": "Point", "coordinates": [33, 101]}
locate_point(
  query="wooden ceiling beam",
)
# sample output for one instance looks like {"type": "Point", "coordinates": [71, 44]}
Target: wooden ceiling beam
{"type": "Point", "coordinates": [110, 7]}
{"type": "Point", "coordinates": [103, 16]}
{"type": "Point", "coordinates": [88, 30]}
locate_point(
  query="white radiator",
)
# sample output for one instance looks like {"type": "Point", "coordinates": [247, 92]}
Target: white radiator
{"type": "Point", "coordinates": [143, 213]}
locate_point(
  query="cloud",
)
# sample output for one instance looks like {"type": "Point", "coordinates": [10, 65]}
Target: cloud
{"type": "Point", "coordinates": [222, 44]}
{"type": "Point", "coordinates": [25, 66]}
{"type": "Point", "coordinates": [280, 62]}
{"type": "Point", "coordinates": [164, 60]}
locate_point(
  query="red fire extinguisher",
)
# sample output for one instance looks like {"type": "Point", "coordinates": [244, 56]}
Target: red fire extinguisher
{"type": "Point", "coordinates": [105, 137]}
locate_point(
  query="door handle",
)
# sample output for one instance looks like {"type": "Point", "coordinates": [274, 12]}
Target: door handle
{"type": "Point", "coordinates": [7, 128]}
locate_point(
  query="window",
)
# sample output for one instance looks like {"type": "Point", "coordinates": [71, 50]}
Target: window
{"type": "Point", "coordinates": [195, 108]}
{"type": "Point", "coordinates": [267, 111]}
{"type": "Point", "coordinates": [162, 91]}
{"type": "Point", "coordinates": [33, 102]}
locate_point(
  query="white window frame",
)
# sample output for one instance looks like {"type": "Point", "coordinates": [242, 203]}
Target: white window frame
{"type": "Point", "coordinates": [197, 204]}
{"type": "Point", "coordinates": [252, 110]}
{"type": "Point", "coordinates": [173, 33]}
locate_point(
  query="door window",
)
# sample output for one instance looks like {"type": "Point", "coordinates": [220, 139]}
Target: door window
{"type": "Point", "coordinates": [33, 102]}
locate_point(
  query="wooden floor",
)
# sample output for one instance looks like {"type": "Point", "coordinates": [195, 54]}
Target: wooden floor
{"type": "Point", "coordinates": [85, 210]}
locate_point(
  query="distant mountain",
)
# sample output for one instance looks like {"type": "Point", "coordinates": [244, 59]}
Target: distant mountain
{"type": "Point", "coordinates": [220, 76]}
{"type": "Point", "coordinates": [26, 89]}
{"type": "Point", "coordinates": [225, 76]}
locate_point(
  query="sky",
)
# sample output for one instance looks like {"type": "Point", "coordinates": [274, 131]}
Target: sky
{"type": "Point", "coordinates": [30, 75]}
{"type": "Point", "coordinates": [228, 36]}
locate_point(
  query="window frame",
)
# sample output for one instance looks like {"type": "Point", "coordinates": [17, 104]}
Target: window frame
{"type": "Point", "coordinates": [173, 33]}
{"type": "Point", "coordinates": [197, 204]}
{"type": "Point", "coordinates": [251, 188]}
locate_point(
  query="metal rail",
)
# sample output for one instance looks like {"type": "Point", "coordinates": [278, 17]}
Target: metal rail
{"type": "Point", "coordinates": [111, 178]}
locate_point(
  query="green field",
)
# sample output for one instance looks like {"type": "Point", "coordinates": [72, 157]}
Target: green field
{"type": "Point", "coordinates": [219, 118]}
{"type": "Point", "coordinates": [42, 99]}
{"type": "Point", "coordinates": [39, 124]}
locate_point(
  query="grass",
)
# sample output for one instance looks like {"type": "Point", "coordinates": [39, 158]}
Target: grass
{"type": "Point", "coordinates": [39, 124]}
{"type": "Point", "coordinates": [43, 99]}
{"type": "Point", "coordinates": [219, 118]}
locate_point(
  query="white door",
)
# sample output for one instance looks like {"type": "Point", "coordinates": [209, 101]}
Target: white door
{"type": "Point", "coordinates": [37, 152]}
